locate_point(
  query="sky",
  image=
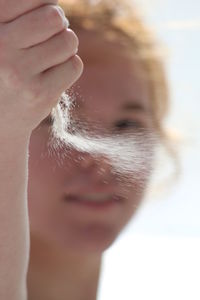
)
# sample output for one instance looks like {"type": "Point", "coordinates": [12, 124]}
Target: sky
{"type": "Point", "coordinates": [177, 211]}
{"type": "Point", "coordinates": [157, 255]}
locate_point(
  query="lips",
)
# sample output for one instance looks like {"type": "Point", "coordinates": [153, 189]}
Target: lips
{"type": "Point", "coordinates": [98, 201]}
{"type": "Point", "coordinates": [97, 198]}
{"type": "Point", "coordinates": [93, 198]}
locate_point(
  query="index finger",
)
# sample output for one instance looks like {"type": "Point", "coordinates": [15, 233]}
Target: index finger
{"type": "Point", "coordinates": [10, 10]}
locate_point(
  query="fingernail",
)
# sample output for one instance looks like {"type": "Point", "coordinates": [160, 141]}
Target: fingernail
{"type": "Point", "coordinates": [66, 21]}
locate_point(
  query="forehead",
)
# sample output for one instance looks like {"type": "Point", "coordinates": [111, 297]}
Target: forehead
{"type": "Point", "coordinates": [111, 77]}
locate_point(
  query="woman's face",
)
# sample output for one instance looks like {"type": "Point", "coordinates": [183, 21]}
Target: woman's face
{"type": "Point", "coordinates": [80, 204]}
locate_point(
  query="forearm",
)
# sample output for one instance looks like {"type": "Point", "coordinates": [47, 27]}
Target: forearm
{"type": "Point", "coordinates": [14, 224]}
{"type": "Point", "coordinates": [36, 67]}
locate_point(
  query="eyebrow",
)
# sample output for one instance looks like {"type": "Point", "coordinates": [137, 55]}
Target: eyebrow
{"type": "Point", "coordinates": [133, 105]}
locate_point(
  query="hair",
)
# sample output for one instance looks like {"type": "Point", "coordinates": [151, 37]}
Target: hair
{"type": "Point", "coordinates": [118, 20]}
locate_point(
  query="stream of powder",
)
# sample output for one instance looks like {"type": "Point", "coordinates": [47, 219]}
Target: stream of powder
{"type": "Point", "coordinates": [127, 153]}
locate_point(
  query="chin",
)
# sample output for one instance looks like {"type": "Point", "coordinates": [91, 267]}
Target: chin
{"type": "Point", "coordinates": [81, 238]}
{"type": "Point", "coordinates": [93, 239]}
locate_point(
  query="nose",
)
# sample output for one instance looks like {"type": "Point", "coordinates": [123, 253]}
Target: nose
{"type": "Point", "coordinates": [98, 166]}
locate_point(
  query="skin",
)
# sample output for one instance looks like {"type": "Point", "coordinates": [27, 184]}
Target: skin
{"type": "Point", "coordinates": [67, 241]}
{"type": "Point", "coordinates": [10, 12]}
{"type": "Point", "coordinates": [33, 60]}
{"type": "Point", "coordinates": [27, 71]}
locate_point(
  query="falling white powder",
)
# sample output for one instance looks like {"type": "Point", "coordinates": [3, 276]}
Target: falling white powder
{"type": "Point", "coordinates": [127, 153]}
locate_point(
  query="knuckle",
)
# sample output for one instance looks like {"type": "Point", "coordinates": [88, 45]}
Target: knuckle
{"type": "Point", "coordinates": [15, 76]}
{"type": "Point", "coordinates": [54, 16]}
{"type": "Point", "coordinates": [71, 40]}
{"type": "Point", "coordinates": [77, 65]}
{"type": "Point", "coordinates": [35, 91]}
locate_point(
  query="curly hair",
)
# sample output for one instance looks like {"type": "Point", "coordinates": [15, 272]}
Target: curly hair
{"type": "Point", "coordinates": [118, 20]}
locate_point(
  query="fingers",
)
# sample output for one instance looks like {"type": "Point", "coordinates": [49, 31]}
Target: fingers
{"type": "Point", "coordinates": [10, 10]}
{"type": "Point", "coordinates": [35, 27]}
{"type": "Point", "coordinates": [54, 51]}
{"type": "Point", "coordinates": [59, 78]}
{"type": "Point", "coordinates": [37, 63]}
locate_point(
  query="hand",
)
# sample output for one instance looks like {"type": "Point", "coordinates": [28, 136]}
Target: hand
{"type": "Point", "coordinates": [10, 10]}
{"type": "Point", "coordinates": [38, 62]}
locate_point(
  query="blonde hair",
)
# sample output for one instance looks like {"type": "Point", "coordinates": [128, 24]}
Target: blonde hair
{"type": "Point", "coordinates": [118, 20]}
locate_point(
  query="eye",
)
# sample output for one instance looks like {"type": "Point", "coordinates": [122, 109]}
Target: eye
{"type": "Point", "coordinates": [126, 124]}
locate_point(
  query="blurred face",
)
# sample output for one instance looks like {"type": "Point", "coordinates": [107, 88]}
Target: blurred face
{"type": "Point", "coordinates": [81, 204]}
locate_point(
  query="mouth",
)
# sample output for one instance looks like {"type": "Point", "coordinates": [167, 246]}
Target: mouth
{"type": "Point", "coordinates": [98, 201]}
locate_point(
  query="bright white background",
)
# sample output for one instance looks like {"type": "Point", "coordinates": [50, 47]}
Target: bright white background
{"type": "Point", "coordinates": [158, 255]}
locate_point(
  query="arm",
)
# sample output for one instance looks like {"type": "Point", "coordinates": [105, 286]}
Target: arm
{"type": "Point", "coordinates": [14, 227]}
{"type": "Point", "coordinates": [36, 66]}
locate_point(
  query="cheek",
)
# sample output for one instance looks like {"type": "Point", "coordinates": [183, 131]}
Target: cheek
{"type": "Point", "coordinates": [133, 188]}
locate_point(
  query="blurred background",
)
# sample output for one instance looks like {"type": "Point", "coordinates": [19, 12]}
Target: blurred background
{"type": "Point", "coordinates": [158, 254]}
